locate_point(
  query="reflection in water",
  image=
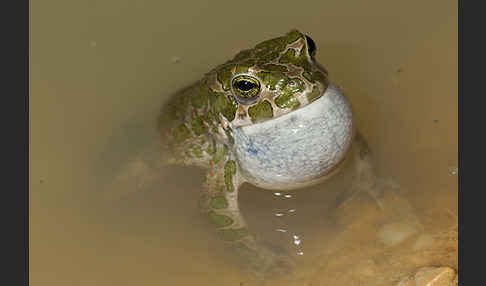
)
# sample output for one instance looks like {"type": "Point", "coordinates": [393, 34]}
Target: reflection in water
{"type": "Point", "coordinates": [285, 229]}
{"type": "Point", "coordinates": [90, 84]}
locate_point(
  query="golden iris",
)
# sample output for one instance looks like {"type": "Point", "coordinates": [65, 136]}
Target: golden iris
{"type": "Point", "coordinates": [245, 87]}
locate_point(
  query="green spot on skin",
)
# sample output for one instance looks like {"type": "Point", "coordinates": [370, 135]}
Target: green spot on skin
{"type": "Point", "coordinates": [315, 93]}
{"type": "Point", "coordinates": [220, 220]}
{"type": "Point", "coordinates": [292, 36]}
{"type": "Point", "coordinates": [224, 76]}
{"type": "Point", "coordinates": [198, 125]}
{"type": "Point", "coordinates": [287, 100]}
{"type": "Point", "coordinates": [181, 133]}
{"type": "Point", "coordinates": [274, 67]}
{"type": "Point", "coordinates": [230, 109]}
{"type": "Point", "coordinates": [196, 150]}
{"type": "Point", "coordinates": [271, 48]}
{"type": "Point", "coordinates": [222, 104]}
{"type": "Point", "coordinates": [301, 60]}
{"type": "Point", "coordinates": [272, 79]}
{"type": "Point", "coordinates": [200, 100]}
{"type": "Point", "coordinates": [244, 66]}
{"type": "Point", "coordinates": [219, 202]}
{"type": "Point", "coordinates": [272, 45]}
{"type": "Point", "coordinates": [174, 111]}
{"type": "Point", "coordinates": [220, 152]}
{"type": "Point", "coordinates": [233, 234]}
{"type": "Point", "coordinates": [308, 76]}
{"type": "Point", "coordinates": [229, 135]}
{"type": "Point", "coordinates": [292, 87]}
{"type": "Point", "coordinates": [211, 149]}
{"type": "Point", "coordinates": [288, 57]}
{"type": "Point", "coordinates": [242, 69]}
{"type": "Point", "coordinates": [260, 111]}
{"type": "Point", "coordinates": [268, 57]}
{"type": "Point", "coordinates": [264, 77]}
{"type": "Point", "coordinates": [316, 76]}
{"type": "Point", "coordinates": [229, 172]}
{"type": "Point", "coordinates": [209, 118]}
{"type": "Point", "coordinates": [320, 77]}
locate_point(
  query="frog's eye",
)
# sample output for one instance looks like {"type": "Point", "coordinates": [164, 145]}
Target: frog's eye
{"type": "Point", "coordinates": [311, 46]}
{"type": "Point", "coordinates": [245, 88]}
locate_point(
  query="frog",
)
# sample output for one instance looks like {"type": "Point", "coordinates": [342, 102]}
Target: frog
{"type": "Point", "coordinates": [269, 117]}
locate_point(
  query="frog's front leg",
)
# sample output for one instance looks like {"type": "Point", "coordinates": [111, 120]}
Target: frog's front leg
{"type": "Point", "coordinates": [220, 202]}
{"type": "Point", "coordinates": [366, 179]}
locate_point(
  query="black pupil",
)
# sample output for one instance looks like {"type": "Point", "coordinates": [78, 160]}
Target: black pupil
{"type": "Point", "coordinates": [244, 85]}
{"type": "Point", "coordinates": [311, 45]}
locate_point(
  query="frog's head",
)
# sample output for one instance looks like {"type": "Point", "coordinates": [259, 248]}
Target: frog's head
{"type": "Point", "coordinates": [274, 78]}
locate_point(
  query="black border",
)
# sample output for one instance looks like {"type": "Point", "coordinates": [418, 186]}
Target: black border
{"type": "Point", "coordinates": [15, 140]}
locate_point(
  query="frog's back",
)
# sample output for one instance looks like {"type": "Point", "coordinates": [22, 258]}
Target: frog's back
{"type": "Point", "coordinates": [186, 129]}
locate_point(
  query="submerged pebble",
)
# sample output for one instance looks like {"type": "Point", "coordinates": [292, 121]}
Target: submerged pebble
{"type": "Point", "coordinates": [453, 171]}
{"type": "Point", "coordinates": [394, 233]}
{"type": "Point", "coordinates": [175, 59]}
{"type": "Point", "coordinates": [423, 241]}
{"type": "Point", "coordinates": [431, 276]}
{"type": "Point", "coordinates": [435, 276]}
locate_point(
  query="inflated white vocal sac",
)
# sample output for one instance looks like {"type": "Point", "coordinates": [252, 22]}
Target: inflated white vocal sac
{"type": "Point", "coordinates": [297, 149]}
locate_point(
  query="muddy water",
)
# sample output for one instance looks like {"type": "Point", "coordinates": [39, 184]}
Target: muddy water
{"type": "Point", "coordinates": [100, 71]}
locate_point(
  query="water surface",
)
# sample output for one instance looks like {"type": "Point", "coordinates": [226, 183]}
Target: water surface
{"type": "Point", "coordinates": [100, 71]}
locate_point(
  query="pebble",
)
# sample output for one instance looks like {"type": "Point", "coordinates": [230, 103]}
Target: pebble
{"type": "Point", "coordinates": [175, 60]}
{"type": "Point", "coordinates": [423, 241]}
{"type": "Point", "coordinates": [394, 233]}
{"type": "Point", "coordinates": [453, 171]}
{"type": "Point", "coordinates": [431, 276]}
{"type": "Point", "coordinates": [435, 276]}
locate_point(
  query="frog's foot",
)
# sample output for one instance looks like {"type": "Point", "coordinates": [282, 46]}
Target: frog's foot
{"type": "Point", "coordinates": [366, 180]}
{"type": "Point", "coordinates": [265, 261]}
{"type": "Point", "coordinates": [133, 177]}
{"type": "Point", "coordinates": [375, 189]}
{"type": "Point", "coordinates": [141, 172]}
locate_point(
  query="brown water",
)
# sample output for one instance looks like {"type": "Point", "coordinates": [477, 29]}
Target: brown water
{"type": "Point", "coordinates": [101, 69]}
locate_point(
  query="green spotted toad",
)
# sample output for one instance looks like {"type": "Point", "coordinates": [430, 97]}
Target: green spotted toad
{"type": "Point", "coordinates": [268, 117]}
